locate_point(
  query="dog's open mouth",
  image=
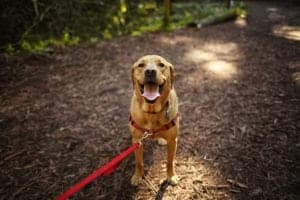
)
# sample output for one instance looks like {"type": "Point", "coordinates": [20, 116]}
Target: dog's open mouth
{"type": "Point", "coordinates": [151, 91]}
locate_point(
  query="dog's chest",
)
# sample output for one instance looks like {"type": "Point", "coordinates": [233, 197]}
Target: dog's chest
{"type": "Point", "coordinates": [153, 122]}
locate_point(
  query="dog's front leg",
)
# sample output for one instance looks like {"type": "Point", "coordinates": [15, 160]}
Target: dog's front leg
{"type": "Point", "coordinates": [139, 165]}
{"type": "Point", "coordinates": [172, 146]}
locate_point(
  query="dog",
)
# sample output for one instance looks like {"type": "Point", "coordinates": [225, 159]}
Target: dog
{"type": "Point", "coordinates": [154, 111]}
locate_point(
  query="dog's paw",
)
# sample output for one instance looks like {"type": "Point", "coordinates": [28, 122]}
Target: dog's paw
{"type": "Point", "coordinates": [173, 180]}
{"type": "Point", "coordinates": [136, 180]}
{"type": "Point", "coordinates": [161, 141]}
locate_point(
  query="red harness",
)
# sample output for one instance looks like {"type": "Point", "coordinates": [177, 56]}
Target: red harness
{"type": "Point", "coordinates": [165, 127]}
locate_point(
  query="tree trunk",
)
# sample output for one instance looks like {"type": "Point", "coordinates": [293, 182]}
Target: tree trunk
{"type": "Point", "coordinates": [230, 14]}
{"type": "Point", "coordinates": [230, 3]}
{"type": "Point", "coordinates": [167, 13]}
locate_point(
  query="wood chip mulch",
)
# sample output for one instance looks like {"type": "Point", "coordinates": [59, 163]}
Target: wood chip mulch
{"type": "Point", "coordinates": [64, 114]}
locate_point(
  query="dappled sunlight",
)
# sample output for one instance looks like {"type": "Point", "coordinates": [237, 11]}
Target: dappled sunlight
{"type": "Point", "coordinates": [198, 55]}
{"type": "Point", "coordinates": [221, 48]}
{"type": "Point", "coordinates": [197, 180]}
{"type": "Point", "coordinates": [241, 22]}
{"type": "Point", "coordinates": [272, 9]}
{"type": "Point", "coordinates": [175, 40]}
{"type": "Point", "coordinates": [212, 51]}
{"type": "Point", "coordinates": [221, 68]}
{"type": "Point", "coordinates": [288, 32]}
{"type": "Point", "coordinates": [218, 60]}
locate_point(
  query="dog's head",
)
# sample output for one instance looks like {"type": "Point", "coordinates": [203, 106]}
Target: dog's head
{"type": "Point", "coordinates": [152, 78]}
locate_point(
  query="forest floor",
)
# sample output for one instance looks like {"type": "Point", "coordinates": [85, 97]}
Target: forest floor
{"type": "Point", "coordinates": [64, 114]}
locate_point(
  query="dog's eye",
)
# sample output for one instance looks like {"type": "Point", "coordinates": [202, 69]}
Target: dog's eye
{"type": "Point", "coordinates": [141, 65]}
{"type": "Point", "coordinates": [161, 64]}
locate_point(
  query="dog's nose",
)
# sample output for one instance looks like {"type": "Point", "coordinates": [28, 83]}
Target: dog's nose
{"type": "Point", "coordinates": [150, 73]}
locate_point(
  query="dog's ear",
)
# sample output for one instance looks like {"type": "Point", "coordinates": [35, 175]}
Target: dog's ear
{"type": "Point", "coordinates": [132, 78]}
{"type": "Point", "coordinates": [172, 75]}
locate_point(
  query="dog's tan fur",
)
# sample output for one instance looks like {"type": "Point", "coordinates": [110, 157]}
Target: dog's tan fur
{"type": "Point", "coordinates": [155, 115]}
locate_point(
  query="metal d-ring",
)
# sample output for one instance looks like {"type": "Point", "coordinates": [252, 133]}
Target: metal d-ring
{"type": "Point", "coordinates": [146, 135]}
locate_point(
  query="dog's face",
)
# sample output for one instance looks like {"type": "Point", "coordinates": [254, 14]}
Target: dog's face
{"type": "Point", "coordinates": [152, 78]}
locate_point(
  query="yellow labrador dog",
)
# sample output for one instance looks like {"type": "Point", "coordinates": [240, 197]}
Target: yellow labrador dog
{"type": "Point", "coordinates": [154, 110]}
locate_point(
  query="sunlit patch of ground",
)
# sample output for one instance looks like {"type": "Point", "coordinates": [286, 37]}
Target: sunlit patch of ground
{"type": "Point", "coordinates": [218, 60]}
{"type": "Point", "coordinates": [212, 51]}
{"type": "Point", "coordinates": [199, 55]}
{"type": "Point", "coordinates": [197, 181]}
{"type": "Point", "coordinates": [175, 40]}
{"type": "Point", "coordinates": [272, 9]}
{"type": "Point", "coordinates": [221, 68]}
{"type": "Point", "coordinates": [241, 22]}
{"type": "Point", "coordinates": [288, 32]}
{"type": "Point", "coordinates": [221, 48]}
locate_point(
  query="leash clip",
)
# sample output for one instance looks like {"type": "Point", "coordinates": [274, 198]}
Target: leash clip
{"type": "Point", "coordinates": [146, 135]}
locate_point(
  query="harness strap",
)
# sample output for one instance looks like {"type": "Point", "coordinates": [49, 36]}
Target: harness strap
{"type": "Point", "coordinates": [165, 127]}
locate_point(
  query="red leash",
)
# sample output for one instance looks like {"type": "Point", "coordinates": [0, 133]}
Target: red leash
{"type": "Point", "coordinates": [110, 167]}
{"type": "Point", "coordinates": [105, 170]}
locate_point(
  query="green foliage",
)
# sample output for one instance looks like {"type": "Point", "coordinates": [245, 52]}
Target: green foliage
{"type": "Point", "coordinates": [10, 49]}
{"type": "Point", "coordinates": [40, 45]}
{"type": "Point", "coordinates": [241, 9]}
{"type": "Point", "coordinates": [35, 25]}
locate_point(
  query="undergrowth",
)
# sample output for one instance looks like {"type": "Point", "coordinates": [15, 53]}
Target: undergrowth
{"type": "Point", "coordinates": [125, 20]}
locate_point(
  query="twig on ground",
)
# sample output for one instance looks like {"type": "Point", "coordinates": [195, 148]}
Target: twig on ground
{"type": "Point", "coordinates": [150, 185]}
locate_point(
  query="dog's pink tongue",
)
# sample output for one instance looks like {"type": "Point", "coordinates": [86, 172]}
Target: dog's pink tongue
{"type": "Point", "coordinates": [151, 92]}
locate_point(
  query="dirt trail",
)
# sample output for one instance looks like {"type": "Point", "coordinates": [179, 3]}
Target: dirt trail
{"type": "Point", "coordinates": [65, 114]}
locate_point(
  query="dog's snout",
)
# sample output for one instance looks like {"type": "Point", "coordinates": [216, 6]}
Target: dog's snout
{"type": "Point", "coordinates": [150, 73]}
